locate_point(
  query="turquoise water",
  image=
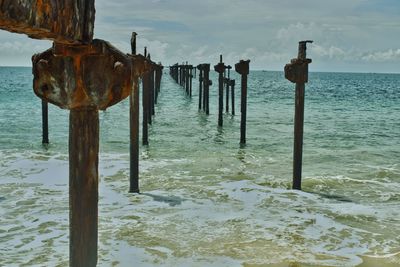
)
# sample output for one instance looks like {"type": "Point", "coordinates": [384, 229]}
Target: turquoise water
{"type": "Point", "coordinates": [206, 201]}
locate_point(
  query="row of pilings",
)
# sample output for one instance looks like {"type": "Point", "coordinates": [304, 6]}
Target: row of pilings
{"type": "Point", "coordinates": [183, 75]}
{"type": "Point", "coordinates": [151, 87]}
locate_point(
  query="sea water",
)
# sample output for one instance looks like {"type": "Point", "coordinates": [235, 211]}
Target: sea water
{"type": "Point", "coordinates": [207, 201]}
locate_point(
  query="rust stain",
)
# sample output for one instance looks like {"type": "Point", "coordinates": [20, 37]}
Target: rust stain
{"type": "Point", "coordinates": [93, 75]}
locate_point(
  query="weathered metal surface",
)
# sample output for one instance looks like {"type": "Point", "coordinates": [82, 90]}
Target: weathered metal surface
{"type": "Point", "coordinates": [64, 21]}
{"type": "Point", "coordinates": [134, 123]}
{"type": "Point", "coordinates": [76, 76]}
{"type": "Point", "coordinates": [83, 186]}
{"type": "Point", "coordinates": [220, 68]}
{"type": "Point", "coordinates": [243, 68]}
{"type": "Point", "coordinates": [297, 72]}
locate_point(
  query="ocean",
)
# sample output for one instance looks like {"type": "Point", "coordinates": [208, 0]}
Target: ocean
{"type": "Point", "coordinates": [207, 201]}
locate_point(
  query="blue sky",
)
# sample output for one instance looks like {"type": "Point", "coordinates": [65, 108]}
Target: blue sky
{"type": "Point", "coordinates": [349, 35]}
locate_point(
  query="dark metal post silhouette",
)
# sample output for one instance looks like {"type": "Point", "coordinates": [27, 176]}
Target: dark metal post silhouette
{"type": "Point", "coordinates": [232, 84]}
{"type": "Point", "coordinates": [243, 69]}
{"type": "Point", "coordinates": [134, 129]}
{"type": "Point", "coordinates": [297, 72]}
{"type": "Point", "coordinates": [220, 68]}
{"type": "Point", "coordinates": [190, 80]}
{"type": "Point", "coordinates": [145, 104]}
{"type": "Point", "coordinates": [45, 122]}
{"type": "Point", "coordinates": [227, 81]}
{"type": "Point", "coordinates": [206, 83]}
{"type": "Point", "coordinates": [200, 85]}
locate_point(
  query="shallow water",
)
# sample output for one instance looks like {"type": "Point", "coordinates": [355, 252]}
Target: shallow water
{"type": "Point", "coordinates": [205, 200]}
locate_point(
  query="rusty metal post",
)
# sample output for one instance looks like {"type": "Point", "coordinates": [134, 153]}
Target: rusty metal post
{"type": "Point", "coordinates": [243, 69]}
{"type": "Point", "coordinates": [83, 186]}
{"type": "Point", "coordinates": [187, 78]}
{"type": "Point", "coordinates": [232, 84]}
{"type": "Point", "coordinates": [297, 72]}
{"type": "Point", "coordinates": [145, 104]}
{"type": "Point", "coordinates": [69, 76]}
{"type": "Point", "coordinates": [220, 68]}
{"type": "Point", "coordinates": [149, 92]}
{"type": "Point", "coordinates": [45, 122]}
{"type": "Point", "coordinates": [227, 81]}
{"type": "Point", "coordinates": [200, 85]}
{"type": "Point", "coordinates": [206, 83]}
{"type": "Point", "coordinates": [134, 129]}
{"type": "Point", "coordinates": [190, 80]}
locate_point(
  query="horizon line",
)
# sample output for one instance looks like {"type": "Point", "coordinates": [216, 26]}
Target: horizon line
{"type": "Point", "coordinates": [258, 69]}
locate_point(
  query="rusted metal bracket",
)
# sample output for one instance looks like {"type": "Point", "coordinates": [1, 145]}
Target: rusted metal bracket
{"type": "Point", "coordinates": [64, 21]}
{"type": "Point", "coordinates": [76, 76]}
{"type": "Point", "coordinates": [297, 70]}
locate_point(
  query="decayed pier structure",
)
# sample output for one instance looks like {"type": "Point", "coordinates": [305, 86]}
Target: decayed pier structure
{"type": "Point", "coordinates": [85, 75]}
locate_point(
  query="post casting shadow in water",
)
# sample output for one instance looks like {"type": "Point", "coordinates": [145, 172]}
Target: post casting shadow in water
{"type": "Point", "coordinates": [330, 196]}
{"type": "Point", "coordinates": [170, 200]}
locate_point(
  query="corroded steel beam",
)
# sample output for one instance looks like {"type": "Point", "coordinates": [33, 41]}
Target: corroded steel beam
{"type": "Point", "coordinates": [65, 21]}
{"type": "Point", "coordinates": [297, 72]}
{"type": "Point", "coordinates": [76, 76]}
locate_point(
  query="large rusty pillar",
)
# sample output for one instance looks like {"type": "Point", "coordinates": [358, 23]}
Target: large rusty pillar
{"type": "Point", "coordinates": [83, 185]}
{"type": "Point", "coordinates": [84, 79]}
{"type": "Point", "coordinates": [297, 72]}
{"type": "Point", "coordinates": [84, 76]}
{"type": "Point", "coordinates": [220, 68]}
{"type": "Point", "coordinates": [243, 69]}
{"type": "Point", "coordinates": [45, 122]}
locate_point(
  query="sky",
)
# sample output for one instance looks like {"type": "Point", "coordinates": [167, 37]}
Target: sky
{"type": "Point", "coordinates": [348, 35]}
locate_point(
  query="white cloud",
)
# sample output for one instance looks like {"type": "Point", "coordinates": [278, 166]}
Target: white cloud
{"type": "Point", "coordinates": [382, 56]}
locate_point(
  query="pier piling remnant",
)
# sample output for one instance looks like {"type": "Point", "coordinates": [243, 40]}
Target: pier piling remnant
{"type": "Point", "coordinates": [243, 69]}
{"type": "Point", "coordinates": [206, 83]}
{"type": "Point", "coordinates": [84, 76]}
{"type": "Point", "coordinates": [199, 67]}
{"type": "Point", "coordinates": [190, 74]}
{"type": "Point", "coordinates": [220, 68]}
{"type": "Point", "coordinates": [140, 67]}
{"type": "Point", "coordinates": [134, 128]}
{"type": "Point", "coordinates": [228, 84]}
{"type": "Point", "coordinates": [45, 122]}
{"type": "Point", "coordinates": [297, 72]}
{"type": "Point", "coordinates": [232, 84]}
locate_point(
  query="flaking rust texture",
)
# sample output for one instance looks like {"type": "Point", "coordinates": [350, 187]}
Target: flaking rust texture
{"type": "Point", "coordinates": [78, 76]}
{"type": "Point", "coordinates": [64, 21]}
{"type": "Point", "coordinates": [297, 70]}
